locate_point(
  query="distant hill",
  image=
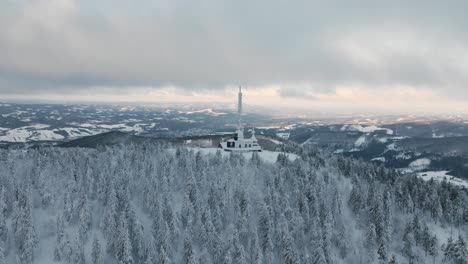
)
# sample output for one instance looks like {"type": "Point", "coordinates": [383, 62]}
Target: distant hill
{"type": "Point", "coordinates": [204, 141]}
{"type": "Point", "coordinates": [446, 145]}
{"type": "Point", "coordinates": [107, 138]}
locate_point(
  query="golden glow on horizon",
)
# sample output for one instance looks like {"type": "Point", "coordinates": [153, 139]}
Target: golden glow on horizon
{"type": "Point", "coordinates": [350, 98]}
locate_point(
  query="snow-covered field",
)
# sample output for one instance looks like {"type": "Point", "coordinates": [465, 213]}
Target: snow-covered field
{"type": "Point", "coordinates": [392, 146]}
{"type": "Point", "coordinates": [381, 159]}
{"type": "Point", "coordinates": [360, 141]}
{"type": "Point", "coordinates": [403, 155]}
{"type": "Point", "coordinates": [442, 175]}
{"type": "Point", "coordinates": [420, 164]}
{"type": "Point", "coordinates": [283, 135]}
{"type": "Point", "coordinates": [42, 132]}
{"type": "Point", "coordinates": [24, 134]}
{"type": "Point", "coordinates": [366, 129]}
{"type": "Point", "coordinates": [206, 111]}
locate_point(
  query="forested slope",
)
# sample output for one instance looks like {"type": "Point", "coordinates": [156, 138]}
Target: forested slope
{"type": "Point", "coordinates": [147, 203]}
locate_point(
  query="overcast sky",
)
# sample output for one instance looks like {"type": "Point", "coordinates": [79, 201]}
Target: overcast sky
{"type": "Point", "coordinates": [394, 56]}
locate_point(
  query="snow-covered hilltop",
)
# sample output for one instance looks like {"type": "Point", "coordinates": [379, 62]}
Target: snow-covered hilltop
{"type": "Point", "coordinates": [151, 203]}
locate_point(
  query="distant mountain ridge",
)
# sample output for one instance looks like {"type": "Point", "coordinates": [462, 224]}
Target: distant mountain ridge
{"type": "Point", "coordinates": [118, 137]}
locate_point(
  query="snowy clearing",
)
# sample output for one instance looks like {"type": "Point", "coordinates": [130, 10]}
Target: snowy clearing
{"type": "Point", "coordinates": [442, 175]}
{"type": "Point", "coordinates": [206, 111]}
{"type": "Point", "coordinates": [367, 129]}
{"type": "Point", "coordinates": [420, 164]}
{"type": "Point", "coordinates": [24, 134]}
{"type": "Point", "coordinates": [434, 135]}
{"type": "Point", "coordinates": [383, 140]}
{"type": "Point", "coordinates": [403, 155]}
{"type": "Point", "coordinates": [392, 146]}
{"type": "Point", "coordinates": [283, 135]}
{"type": "Point", "coordinates": [338, 151]}
{"type": "Point", "coordinates": [360, 141]}
{"type": "Point", "coordinates": [381, 159]}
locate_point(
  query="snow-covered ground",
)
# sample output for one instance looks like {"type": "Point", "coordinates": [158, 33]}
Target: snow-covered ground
{"type": "Point", "coordinates": [277, 142]}
{"type": "Point", "coordinates": [267, 156]}
{"type": "Point", "coordinates": [42, 132]}
{"type": "Point", "coordinates": [392, 146]}
{"type": "Point", "coordinates": [381, 159]}
{"type": "Point", "coordinates": [440, 176]}
{"type": "Point", "coordinates": [420, 164]}
{"type": "Point", "coordinates": [283, 135]}
{"type": "Point", "coordinates": [434, 135]}
{"type": "Point", "coordinates": [206, 111]}
{"type": "Point", "coordinates": [366, 129]}
{"type": "Point", "coordinates": [199, 143]}
{"type": "Point", "coordinates": [383, 140]}
{"type": "Point", "coordinates": [403, 155]}
{"type": "Point", "coordinates": [338, 151]}
{"type": "Point", "coordinates": [360, 141]}
{"type": "Point", "coordinates": [24, 134]}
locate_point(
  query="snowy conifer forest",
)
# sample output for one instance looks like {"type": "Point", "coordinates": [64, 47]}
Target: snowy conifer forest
{"type": "Point", "coordinates": [152, 204]}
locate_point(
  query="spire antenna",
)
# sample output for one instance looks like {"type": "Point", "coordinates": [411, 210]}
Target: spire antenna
{"type": "Point", "coordinates": [239, 107]}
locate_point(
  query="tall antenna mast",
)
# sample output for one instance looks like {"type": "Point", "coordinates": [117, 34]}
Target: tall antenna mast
{"type": "Point", "coordinates": [239, 107]}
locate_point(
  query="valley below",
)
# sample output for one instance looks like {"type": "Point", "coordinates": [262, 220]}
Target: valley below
{"type": "Point", "coordinates": [406, 143]}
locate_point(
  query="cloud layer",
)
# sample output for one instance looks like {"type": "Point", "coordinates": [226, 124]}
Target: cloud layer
{"type": "Point", "coordinates": [307, 49]}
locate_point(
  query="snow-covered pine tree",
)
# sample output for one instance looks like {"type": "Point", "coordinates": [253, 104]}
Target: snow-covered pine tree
{"type": "Point", "coordinates": [393, 260]}
{"type": "Point", "coordinates": [3, 210]}
{"type": "Point", "coordinates": [355, 199]}
{"type": "Point", "coordinates": [256, 255]}
{"type": "Point", "coordinates": [2, 253]}
{"type": "Point", "coordinates": [78, 256]}
{"type": "Point", "coordinates": [189, 254]}
{"type": "Point", "coordinates": [25, 233]}
{"type": "Point", "coordinates": [163, 256]}
{"type": "Point", "coordinates": [96, 252]}
{"type": "Point", "coordinates": [136, 233]}
{"type": "Point", "coordinates": [84, 217]}
{"type": "Point", "coordinates": [227, 259]}
{"type": "Point", "coordinates": [151, 253]}
{"type": "Point", "coordinates": [288, 251]}
{"type": "Point", "coordinates": [319, 256]}
{"type": "Point", "coordinates": [204, 257]}
{"type": "Point", "coordinates": [370, 243]}
{"type": "Point", "coordinates": [123, 246]}
{"type": "Point", "coordinates": [382, 253]}
{"type": "Point", "coordinates": [460, 251]}
{"type": "Point", "coordinates": [67, 205]}
{"type": "Point", "coordinates": [264, 231]}
{"type": "Point", "coordinates": [62, 249]}
{"type": "Point", "coordinates": [449, 251]}
{"type": "Point", "coordinates": [433, 248]}
{"type": "Point", "coordinates": [409, 247]}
